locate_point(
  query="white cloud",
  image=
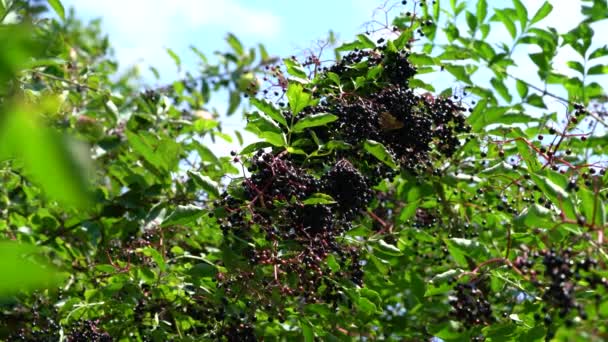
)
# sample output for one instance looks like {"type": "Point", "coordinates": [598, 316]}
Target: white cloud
{"type": "Point", "coordinates": [141, 29]}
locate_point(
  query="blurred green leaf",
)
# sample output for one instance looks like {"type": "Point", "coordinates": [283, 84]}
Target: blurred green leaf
{"type": "Point", "coordinates": [235, 44]}
{"type": "Point", "coordinates": [183, 215]}
{"type": "Point", "coordinates": [50, 158]}
{"type": "Point", "coordinates": [22, 270]}
{"type": "Point", "coordinates": [205, 183]}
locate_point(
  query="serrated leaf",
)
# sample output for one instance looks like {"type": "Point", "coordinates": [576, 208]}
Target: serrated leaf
{"type": "Point", "coordinates": [298, 99]}
{"type": "Point", "coordinates": [294, 68]}
{"type": "Point", "coordinates": [380, 152]}
{"type": "Point", "coordinates": [314, 120]}
{"type": "Point", "coordinates": [556, 194]}
{"type": "Point", "coordinates": [269, 109]}
{"type": "Point", "coordinates": [183, 215]}
{"type": "Point", "coordinates": [205, 183]}
{"type": "Point", "coordinates": [265, 128]}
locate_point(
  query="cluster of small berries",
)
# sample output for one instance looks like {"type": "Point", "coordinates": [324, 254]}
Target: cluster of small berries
{"type": "Point", "coordinates": [470, 306]}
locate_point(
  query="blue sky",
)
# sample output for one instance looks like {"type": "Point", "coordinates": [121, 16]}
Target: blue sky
{"type": "Point", "coordinates": [140, 30]}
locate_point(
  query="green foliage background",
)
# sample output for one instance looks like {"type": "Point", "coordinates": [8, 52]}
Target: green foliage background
{"type": "Point", "coordinates": [108, 198]}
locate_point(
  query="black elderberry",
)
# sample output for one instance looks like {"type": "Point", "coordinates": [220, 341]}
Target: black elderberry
{"type": "Point", "coordinates": [469, 305]}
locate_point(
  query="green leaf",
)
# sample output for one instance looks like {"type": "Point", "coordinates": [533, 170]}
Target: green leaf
{"type": "Point", "coordinates": [155, 255]}
{"type": "Point", "coordinates": [599, 52]}
{"type": "Point", "coordinates": [366, 306]}
{"type": "Point", "coordinates": [560, 198]}
{"type": "Point", "coordinates": [205, 183]}
{"type": "Point", "coordinates": [421, 59]}
{"type": "Point", "coordinates": [175, 57]}
{"type": "Point", "coordinates": [350, 46]}
{"type": "Point", "coordinates": [522, 13]}
{"type": "Point", "coordinates": [380, 152]}
{"type": "Point", "coordinates": [233, 102]}
{"type": "Point", "coordinates": [577, 66]}
{"type": "Point", "coordinates": [269, 109]}
{"type": "Point", "coordinates": [522, 88]}
{"type": "Point", "coordinates": [459, 248]}
{"type": "Point", "coordinates": [599, 69]}
{"type": "Point", "coordinates": [52, 160]}
{"type": "Point", "coordinates": [255, 147]}
{"type": "Point", "coordinates": [593, 207]}
{"type": "Point", "coordinates": [298, 99]}
{"type": "Point", "coordinates": [265, 128]}
{"type": "Point", "coordinates": [386, 248]}
{"type": "Point", "coordinates": [235, 44]}
{"type": "Point", "coordinates": [314, 120]}
{"type": "Point", "coordinates": [162, 154]}
{"type": "Point", "coordinates": [507, 21]}
{"type": "Point", "coordinates": [58, 8]}
{"type": "Point", "coordinates": [535, 216]}
{"type": "Point", "coordinates": [183, 215]}
{"type": "Point", "coordinates": [500, 87]}
{"type": "Point", "coordinates": [482, 10]}
{"type": "Point", "coordinates": [471, 21]}
{"type": "Point", "coordinates": [309, 335]}
{"type": "Point", "coordinates": [459, 72]}
{"type": "Point", "coordinates": [528, 155]}
{"type": "Point", "coordinates": [536, 101]}
{"type": "Point", "coordinates": [318, 198]}
{"type": "Point", "coordinates": [22, 271]}
{"type": "Point", "coordinates": [482, 117]}
{"type": "Point", "coordinates": [294, 68]}
{"type": "Point", "coordinates": [542, 12]}
{"type": "Point", "coordinates": [366, 41]}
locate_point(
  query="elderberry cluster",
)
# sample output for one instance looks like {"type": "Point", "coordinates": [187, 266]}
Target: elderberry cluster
{"type": "Point", "coordinates": [87, 330]}
{"type": "Point", "coordinates": [387, 110]}
{"type": "Point", "coordinates": [341, 182]}
{"type": "Point", "coordinates": [470, 306]}
{"type": "Point", "coordinates": [278, 205]}
{"type": "Point", "coordinates": [562, 272]}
